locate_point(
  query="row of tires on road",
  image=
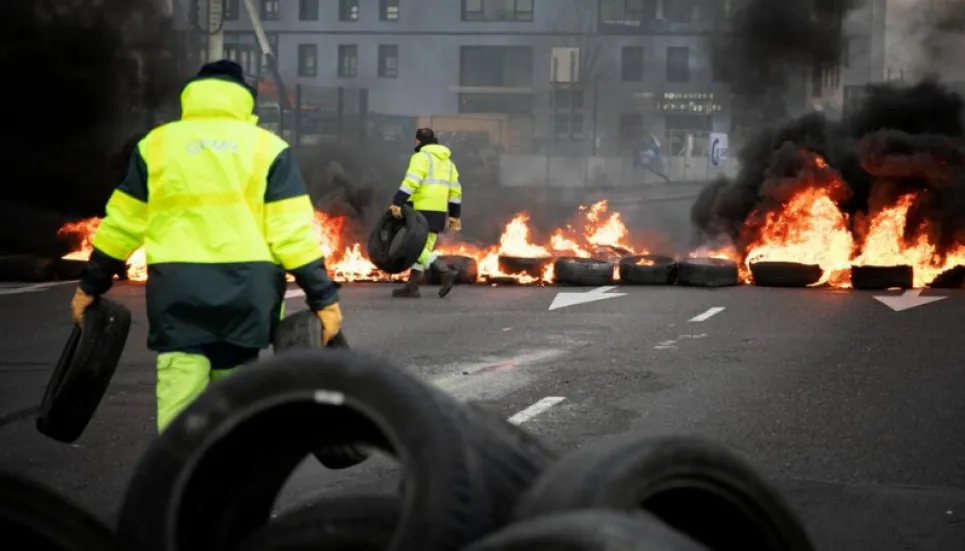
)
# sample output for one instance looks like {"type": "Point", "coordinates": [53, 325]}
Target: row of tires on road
{"type": "Point", "coordinates": [470, 479]}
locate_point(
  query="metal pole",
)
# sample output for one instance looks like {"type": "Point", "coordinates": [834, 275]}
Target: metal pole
{"type": "Point", "coordinates": [297, 138]}
{"type": "Point", "coordinates": [215, 30]}
{"type": "Point", "coordinates": [551, 144]}
{"type": "Point", "coordinates": [596, 105]}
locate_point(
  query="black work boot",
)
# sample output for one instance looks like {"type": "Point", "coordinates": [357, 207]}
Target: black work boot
{"type": "Point", "coordinates": [411, 287]}
{"type": "Point", "coordinates": [447, 277]}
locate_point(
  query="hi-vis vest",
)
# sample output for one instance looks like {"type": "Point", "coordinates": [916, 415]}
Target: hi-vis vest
{"type": "Point", "coordinates": [216, 232]}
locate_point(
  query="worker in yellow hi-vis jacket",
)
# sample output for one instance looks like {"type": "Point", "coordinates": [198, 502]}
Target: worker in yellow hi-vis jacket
{"type": "Point", "coordinates": [222, 212]}
{"type": "Point", "coordinates": [432, 186]}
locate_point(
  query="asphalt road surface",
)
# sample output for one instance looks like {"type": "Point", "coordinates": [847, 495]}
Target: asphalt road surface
{"type": "Point", "coordinates": [853, 409]}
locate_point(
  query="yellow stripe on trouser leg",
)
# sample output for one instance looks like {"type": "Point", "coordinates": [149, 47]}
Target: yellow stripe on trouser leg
{"type": "Point", "coordinates": [181, 378]}
{"type": "Point", "coordinates": [427, 257]}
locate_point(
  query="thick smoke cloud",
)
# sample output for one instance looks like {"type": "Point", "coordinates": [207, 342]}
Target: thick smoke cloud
{"type": "Point", "coordinates": [771, 43]}
{"type": "Point", "coordinates": [75, 95]}
{"type": "Point", "coordinates": [903, 139]}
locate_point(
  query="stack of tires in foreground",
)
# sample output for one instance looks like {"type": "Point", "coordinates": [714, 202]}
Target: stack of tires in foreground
{"type": "Point", "coordinates": [470, 480]}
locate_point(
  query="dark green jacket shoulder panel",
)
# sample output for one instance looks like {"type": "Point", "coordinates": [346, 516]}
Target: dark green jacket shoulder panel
{"type": "Point", "coordinates": [284, 179]}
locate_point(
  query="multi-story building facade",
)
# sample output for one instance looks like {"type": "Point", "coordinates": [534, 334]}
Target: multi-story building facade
{"type": "Point", "coordinates": [598, 73]}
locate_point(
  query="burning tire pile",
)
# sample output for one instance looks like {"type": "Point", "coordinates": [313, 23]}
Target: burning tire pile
{"type": "Point", "coordinates": [470, 480]}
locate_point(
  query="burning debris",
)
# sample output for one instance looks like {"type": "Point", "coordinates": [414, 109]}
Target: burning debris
{"type": "Point", "coordinates": [883, 188]}
{"type": "Point", "coordinates": [595, 232]}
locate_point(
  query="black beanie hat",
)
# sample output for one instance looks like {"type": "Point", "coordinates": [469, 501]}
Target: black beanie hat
{"type": "Point", "coordinates": [227, 70]}
{"type": "Point", "coordinates": [426, 136]}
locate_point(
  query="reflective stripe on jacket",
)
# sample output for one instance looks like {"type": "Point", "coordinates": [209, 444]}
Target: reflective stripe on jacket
{"type": "Point", "coordinates": [432, 185]}
{"type": "Point", "coordinates": [222, 211]}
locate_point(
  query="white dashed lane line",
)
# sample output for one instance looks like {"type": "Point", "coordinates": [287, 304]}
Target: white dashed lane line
{"type": "Point", "coordinates": [536, 409]}
{"type": "Point", "coordinates": [708, 314]}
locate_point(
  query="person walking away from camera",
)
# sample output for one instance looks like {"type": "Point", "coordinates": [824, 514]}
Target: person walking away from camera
{"type": "Point", "coordinates": [222, 211]}
{"type": "Point", "coordinates": [432, 187]}
{"type": "Point", "coordinates": [651, 157]}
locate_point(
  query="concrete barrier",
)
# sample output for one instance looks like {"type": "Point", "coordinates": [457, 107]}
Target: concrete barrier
{"type": "Point", "coordinates": [600, 172]}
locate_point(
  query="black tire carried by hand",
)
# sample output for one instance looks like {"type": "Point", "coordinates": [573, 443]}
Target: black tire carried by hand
{"type": "Point", "coordinates": [785, 274]}
{"type": "Point", "coordinates": [84, 371]}
{"type": "Point", "coordinates": [648, 270]}
{"type": "Point", "coordinates": [466, 268]}
{"type": "Point", "coordinates": [351, 522]}
{"type": "Point", "coordinates": [303, 331]}
{"type": "Point", "coordinates": [395, 245]}
{"type": "Point", "coordinates": [588, 531]}
{"type": "Point", "coordinates": [583, 272]}
{"type": "Point", "coordinates": [877, 278]}
{"type": "Point", "coordinates": [698, 488]}
{"type": "Point", "coordinates": [209, 481]}
{"type": "Point", "coordinates": [34, 517]}
{"type": "Point", "coordinates": [520, 265]}
{"type": "Point", "coordinates": [708, 272]}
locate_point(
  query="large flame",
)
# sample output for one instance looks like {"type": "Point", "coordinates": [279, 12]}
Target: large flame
{"type": "Point", "coordinates": [596, 232]}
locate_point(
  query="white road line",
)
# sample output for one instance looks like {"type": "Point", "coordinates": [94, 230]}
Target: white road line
{"type": "Point", "coordinates": [294, 293]}
{"type": "Point", "coordinates": [536, 409]}
{"type": "Point", "coordinates": [22, 290]}
{"type": "Point", "coordinates": [708, 314]}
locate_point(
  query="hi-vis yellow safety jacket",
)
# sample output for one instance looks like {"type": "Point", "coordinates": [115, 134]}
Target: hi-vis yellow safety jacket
{"type": "Point", "coordinates": [222, 212]}
{"type": "Point", "coordinates": [432, 185]}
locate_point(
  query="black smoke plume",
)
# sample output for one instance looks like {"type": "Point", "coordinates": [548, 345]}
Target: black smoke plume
{"type": "Point", "coordinates": [75, 98]}
{"type": "Point", "coordinates": [770, 43]}
{"type": "Point", "coordinates": [903, 139]}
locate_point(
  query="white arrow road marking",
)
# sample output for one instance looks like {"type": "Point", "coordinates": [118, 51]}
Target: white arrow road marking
{"type": "Point", "coordinates": [562, 300]}
{"type": "Point", "coordinates": [536, 409]}
{"type": "Point", "coordinates": [909, 299]}
{"type": "Point", "coordinates": [708, 314]}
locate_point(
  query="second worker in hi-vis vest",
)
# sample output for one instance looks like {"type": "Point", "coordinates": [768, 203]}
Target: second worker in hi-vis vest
{"type": "Point", "coordinates": [432, 187]}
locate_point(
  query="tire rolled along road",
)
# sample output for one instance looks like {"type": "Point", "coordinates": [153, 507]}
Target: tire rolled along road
{"type": "Point", "coordinates": [785, 274]}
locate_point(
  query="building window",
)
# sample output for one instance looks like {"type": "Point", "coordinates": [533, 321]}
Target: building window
{"type": "Point", "coordinates": [308, 10]}
{"type": "Point", "coordinates": [231, 10]}
{"type": "Point", "coordinates": [631, 128]}
{"type": "Point", "coordinates": [348, 10]}
{"type": "Point", "coordinates": [631, 64]}
{"type": "Point", "coordinates": [679, 11]}
{"type": "Point", "coordinates": [678, 64]}
{"type": "Point", "coordinates": [269, 10]}
{"type": "Point", "coordinates": [617, 14]}
{"type": "Point", "coordinates": [569, 109]}
{"type": "Point", "coordinates": [497, 10]}
{"type": "Point", "coordinates": [389, 10]}
{"type": "Point", "coordinates": [348, 61]}
{"type": "Point", "coordinates": [307, 60]}
{"type": "Point", "coordinates": [496, 66]}
{"type": "Point", "coordinates": [388, 61]}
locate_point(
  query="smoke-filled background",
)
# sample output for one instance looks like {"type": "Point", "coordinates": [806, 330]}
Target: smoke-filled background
{"type": "Point", "coordinates": [904, 137]}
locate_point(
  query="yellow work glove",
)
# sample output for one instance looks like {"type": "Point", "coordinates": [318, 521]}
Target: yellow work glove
{"type": "Point", "coordinates": [79, 304]}
{"type": "Point", "coordinates": [396, 211]}
{"type": "Point", "coordinates": [455, 224]}
{"type": "Point", "coordinates": [331, 318]}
